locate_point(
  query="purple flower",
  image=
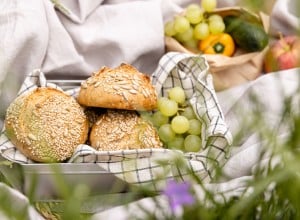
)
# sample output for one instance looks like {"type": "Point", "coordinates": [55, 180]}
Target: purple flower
{"type": "Point", "coordinates": [178, 194]}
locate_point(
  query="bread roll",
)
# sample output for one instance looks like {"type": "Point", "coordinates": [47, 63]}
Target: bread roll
{"type": "Point", "coordinates": [121, 88]}
{"type": "Point", "coordinates": [93, 114]}
{"type": "Point", "coordinates": [123, 130]}
{"type": "Point", "coordinates": [46, 125]}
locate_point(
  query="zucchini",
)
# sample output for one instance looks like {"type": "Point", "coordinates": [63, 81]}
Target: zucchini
{"type": "Point", "coordinates": [247, 35]}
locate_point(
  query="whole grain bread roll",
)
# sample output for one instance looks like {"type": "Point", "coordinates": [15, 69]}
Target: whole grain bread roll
{"type": "Point", "coordinates": [123, 87]}
{"type": "Point", "coordinates": [123, 130]}
{"type": "Point", "coordinates": [46, 125]}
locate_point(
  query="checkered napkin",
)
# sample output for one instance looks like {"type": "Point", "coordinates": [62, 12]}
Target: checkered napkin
{"type": "Point", "coordinates": [144, 166]}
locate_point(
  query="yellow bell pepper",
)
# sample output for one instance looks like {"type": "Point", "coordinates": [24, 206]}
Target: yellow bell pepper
{"type": "Point", "coordinates": [217, 44]}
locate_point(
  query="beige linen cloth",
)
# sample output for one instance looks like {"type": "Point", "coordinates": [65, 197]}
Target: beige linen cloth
{"type": "Point", "coordinates": [70, 39]}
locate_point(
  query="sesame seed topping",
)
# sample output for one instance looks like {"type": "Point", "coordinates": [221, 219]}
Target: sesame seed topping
{"type": "Point", "coordinates": [51, 133]}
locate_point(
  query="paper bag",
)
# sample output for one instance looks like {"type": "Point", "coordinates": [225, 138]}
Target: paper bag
{"type": "Point", "coordinates": [241, 67]}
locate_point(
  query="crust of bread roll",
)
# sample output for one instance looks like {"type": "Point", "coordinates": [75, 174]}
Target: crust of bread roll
{"type": "Point", "coordinates": [123, 87]}
{"type": "Point", "coordinates": [46, 125]}
{"type": "Point", "coordinates": [123, 130]}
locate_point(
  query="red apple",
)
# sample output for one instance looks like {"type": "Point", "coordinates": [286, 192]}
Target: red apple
{"type": "Point", "coordinates": [283, 54]}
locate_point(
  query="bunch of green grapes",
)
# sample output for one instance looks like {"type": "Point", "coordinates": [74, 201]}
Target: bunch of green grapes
{"type": "Point", "coordinates": [197, 23]}
{"type": "Point", "coordinates": [176, 122]}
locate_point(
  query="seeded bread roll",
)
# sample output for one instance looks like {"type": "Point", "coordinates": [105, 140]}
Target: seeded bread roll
{"type": "Point", "coordinates": [93, 114]}
{"type": "Point", "coordinates": [123, 130]}
{"type": "Point", "coordinates": [123, 87]}
{"type": "Point", "coordinates": [46, 125]}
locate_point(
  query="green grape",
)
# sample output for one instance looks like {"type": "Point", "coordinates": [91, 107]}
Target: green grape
{"type": "Point", "coordinates": [169, 29]}
{"type": "Point", "coordinates": [176, 143]}
{"type": "Point", "coordinates": [201, 31]}
{"type": "Point", "coordinates": [216, 26]}
{"type": "Point", "coordinates": [165, 133]}
{"type": "Point", "coordinates": [181, 24]}
{"type": "Point", "coordinates": [159, 119]}
{"type": "Point", "coordinates": [178, 37]}
{"type": "Point", "coordinates": [168, 107]}
{"type": "Point", "coordinates": [209, 5]}
{"type": "Point", "coordinates": [192, 143]}
{"type": "Point", "coordinates": [193, 6]}
{"type": "Point", "coordinates": [194, 15]}
{"type": "Point", "coordinates": [177, 94]}
{"type": "Point", "coordinates": [193, 43]}
{"type": "Point", "coordinates": [195, 127]}
{"type": "Point", "coordinates": [215, 17]}
{"type": "Point", "coordinates": [185, 36]}
{"type": "Point", "coordinates": [180, 124]}
{"type": "Point", "coordinates": [161, 100]}
{"type": "Point", "coordinates": [146, 115]}
{"type": "Point", "coordinates": [188, 112]}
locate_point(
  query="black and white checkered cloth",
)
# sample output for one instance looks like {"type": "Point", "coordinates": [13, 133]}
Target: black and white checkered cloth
{"type": "Point", "coordinates": [143, 166]}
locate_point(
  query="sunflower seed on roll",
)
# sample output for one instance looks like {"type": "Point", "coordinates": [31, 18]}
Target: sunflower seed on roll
{"type": "Point", "coordinates": [123, 87]}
